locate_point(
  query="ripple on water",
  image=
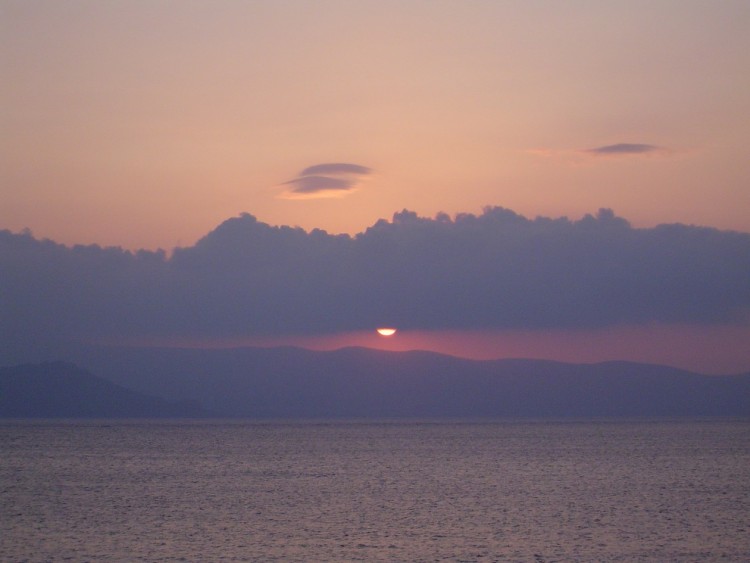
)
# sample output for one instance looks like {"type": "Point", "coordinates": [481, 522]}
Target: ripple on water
{"type": "Point", "coordinates": [533, 491]}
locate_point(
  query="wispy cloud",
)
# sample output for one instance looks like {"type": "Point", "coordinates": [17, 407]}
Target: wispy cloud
{"type": "Point", "coordinates": [337, 168]}
{"type": "Point", "coordinates": [318, 184]}
{"type": "Point", "coordinates": [622, 149]}
{"type": "Point", "coordinates": [584, 157]}
{"type": "Point", "coordinates": [331, 179]}
{"type": "Point", "coordinates": [587, 157]}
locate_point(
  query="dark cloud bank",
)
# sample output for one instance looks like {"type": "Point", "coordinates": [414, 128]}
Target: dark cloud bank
{"type": "Point", "coordinates": [497, 270]}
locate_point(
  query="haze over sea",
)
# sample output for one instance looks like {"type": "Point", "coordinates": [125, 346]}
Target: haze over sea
{"type": "Point", "coordinates": [589, 490]}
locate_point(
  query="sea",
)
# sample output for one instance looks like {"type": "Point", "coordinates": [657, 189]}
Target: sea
{"type": "Point", "coordinates": [389, 490]}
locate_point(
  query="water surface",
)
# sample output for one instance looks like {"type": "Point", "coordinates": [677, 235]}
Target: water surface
{"type": "Point", "coordinates": [375, 491]}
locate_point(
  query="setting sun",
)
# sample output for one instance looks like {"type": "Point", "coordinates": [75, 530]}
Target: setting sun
{"type": "Point", "coordinates": [386, 331]}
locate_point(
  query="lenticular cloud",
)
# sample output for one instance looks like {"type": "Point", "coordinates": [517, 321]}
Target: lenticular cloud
{"type": "Point", "coordinates": [326, 180]}
{"type": "Point", "coordinates": [625, 149]}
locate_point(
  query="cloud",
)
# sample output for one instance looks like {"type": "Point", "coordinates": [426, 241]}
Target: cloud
{"type": "Point", "coordinates": [620, 149]}
{"type": "Point", "coordinates": [315, 184]}
{"type": "Point", "coordinates": [334, 179]}
{"type": "Point", "coordinates": [337, 168]}
{"type": "Point", "coordinates": [495, 270]}
{"type": "Point", "coordinates": [578, 157]}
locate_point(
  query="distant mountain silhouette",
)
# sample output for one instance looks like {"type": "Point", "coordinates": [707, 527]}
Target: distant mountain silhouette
{"type": "Point", "coordinates": [358, 382]}
{"type": "Point", "coordinates": [62, 390]}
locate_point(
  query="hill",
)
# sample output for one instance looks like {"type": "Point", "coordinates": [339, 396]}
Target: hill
{"type": "Point", "coordinates": [359, 382]}
{"type": "Point", "coordinates": [62, 390]}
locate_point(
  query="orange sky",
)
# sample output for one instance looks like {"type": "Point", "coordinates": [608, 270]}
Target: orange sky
{"type": "Point", "coordinates": [145, 124]}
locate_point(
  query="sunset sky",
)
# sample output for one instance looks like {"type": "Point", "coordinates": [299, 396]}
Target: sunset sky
{"type": "Point", "coordinates": [146, 124]}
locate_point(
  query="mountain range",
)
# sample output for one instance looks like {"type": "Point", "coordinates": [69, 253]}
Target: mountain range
{"type": "Point", "coordinates": [357, 382]}
{"type": "Point", "coordinates": [63, 390]}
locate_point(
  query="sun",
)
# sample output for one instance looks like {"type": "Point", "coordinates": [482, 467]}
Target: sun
{"type": "Point", "coordinates": [386, 331]}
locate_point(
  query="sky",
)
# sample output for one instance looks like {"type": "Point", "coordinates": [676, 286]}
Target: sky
{"type": "Point", "coordinates": [148, 124]}
{"type": "Point", "coordinates": [144, 124]}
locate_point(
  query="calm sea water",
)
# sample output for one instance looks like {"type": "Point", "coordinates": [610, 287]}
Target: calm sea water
{"type": "Point", "coordinates": [388, 491]}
